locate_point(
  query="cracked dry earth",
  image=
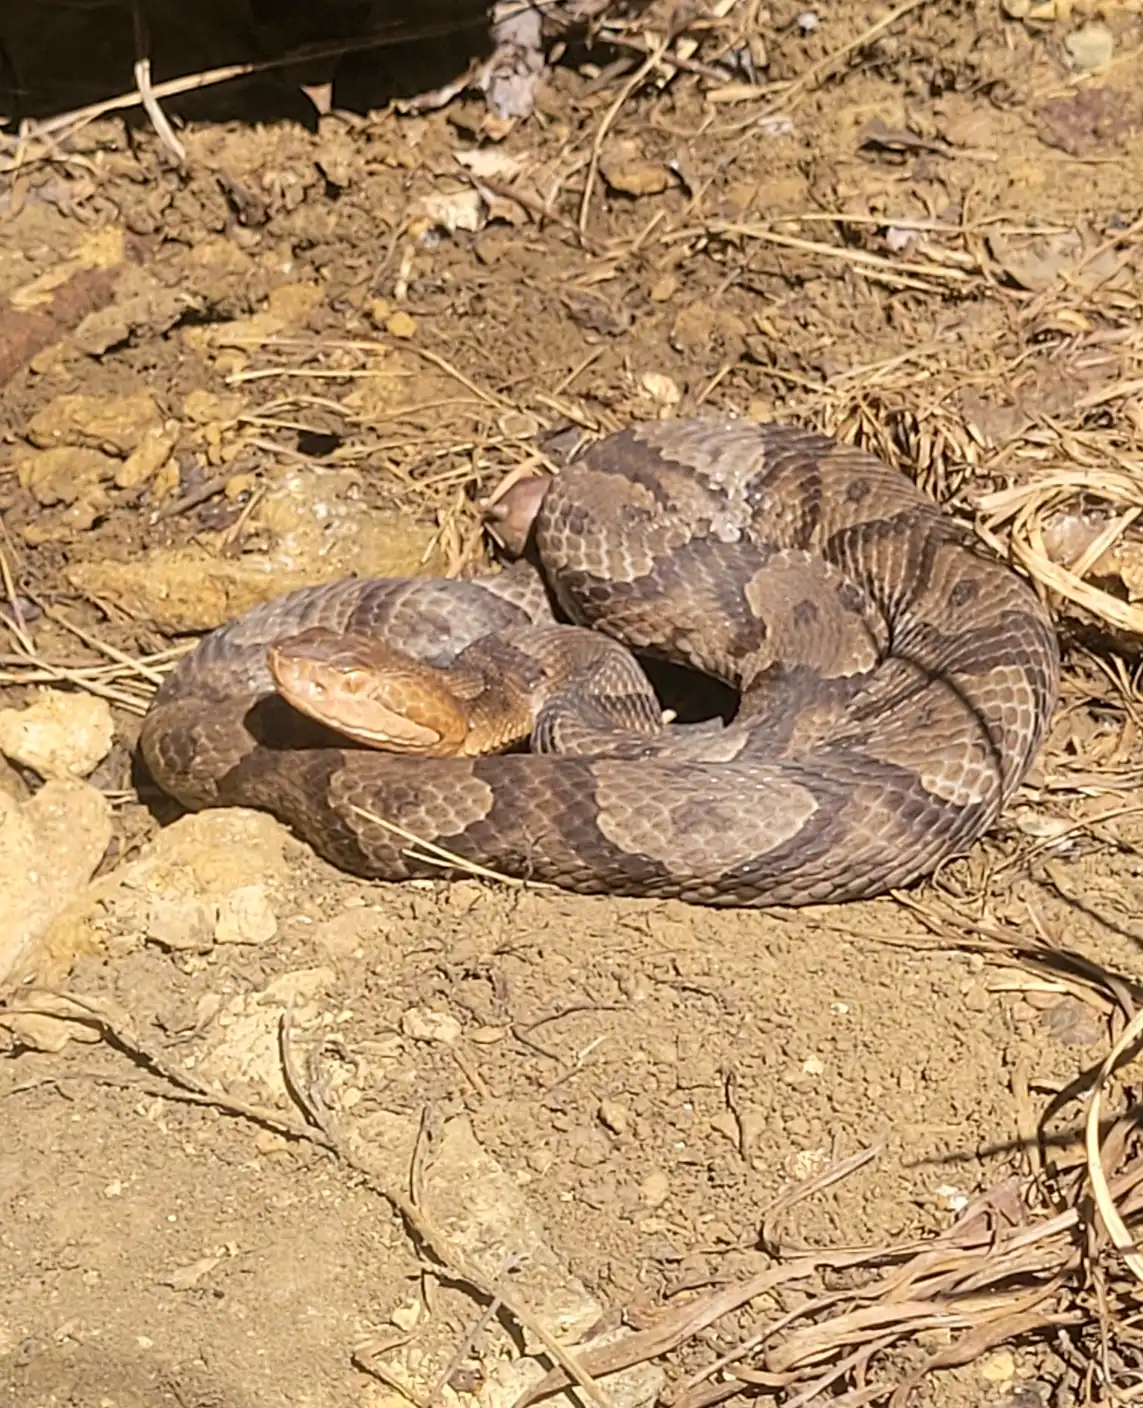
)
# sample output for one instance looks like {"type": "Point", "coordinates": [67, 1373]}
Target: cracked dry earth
{"type": "Point", "coordinates": [312, 350]}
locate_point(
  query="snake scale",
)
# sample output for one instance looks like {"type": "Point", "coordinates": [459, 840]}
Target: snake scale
{"type": "Point", "coordinates": [895, 682]}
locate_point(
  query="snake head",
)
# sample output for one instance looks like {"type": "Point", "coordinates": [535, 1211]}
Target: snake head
{"type": "Point", "coordinates": [373, 694]}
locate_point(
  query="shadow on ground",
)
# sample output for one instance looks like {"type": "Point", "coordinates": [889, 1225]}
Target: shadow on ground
{"type": "Point", "coordinates": [58, 55]}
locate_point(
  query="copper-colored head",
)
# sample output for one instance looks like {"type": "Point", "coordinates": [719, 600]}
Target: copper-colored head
{"type": "Point", "coordinates": [368, 691]}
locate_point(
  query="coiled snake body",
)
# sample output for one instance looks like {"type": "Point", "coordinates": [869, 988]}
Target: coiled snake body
{"type": "Point", "coordinates": [895, 684]}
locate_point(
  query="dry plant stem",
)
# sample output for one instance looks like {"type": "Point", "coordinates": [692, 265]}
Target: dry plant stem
{"type": "Point", "coordinates": [16, 622]}
{"type": "Point", "coordinates": [490, 397]}
{"type": "Point", "coordinates": [366, 1358]}
{"type": "Point", "coordinates": [968, 932]}
{"type": "Point", "coordinates": [674, 1328]}
{"type": "Point", "coordinates": [807, 1188]}
{"type": "Point", "coordinates": [163, 128]}
{"type": "Point", "coordinates": [859, 257]}
{"type": "Point", "coordinates": [648, 65]}
{"type": "Point", "coordinates": [47, 673]}
{"type": "Point", "coordinates": [1117, 1229]}
{"type": "Point", "coordinates": [464, 1348]}
{"type": "Point", "coordinates": [112, 652]}
{"type": "Point", "coordinates": [817, 73]}
{"type": "Point", "coordinates": [429, 853]}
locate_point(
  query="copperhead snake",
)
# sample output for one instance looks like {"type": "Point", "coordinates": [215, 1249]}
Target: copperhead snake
{"type": "Point", "coordinates": [895, 682]}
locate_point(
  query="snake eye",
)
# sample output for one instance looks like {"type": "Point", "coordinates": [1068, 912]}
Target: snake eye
{"type": "Point", "coordinates": [354, 681]}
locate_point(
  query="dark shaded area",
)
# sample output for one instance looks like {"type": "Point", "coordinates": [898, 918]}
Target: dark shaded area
{"type": "Point", "coordinates": [57, 55]}
{"type": "Point", "coordinates": [694, 698]}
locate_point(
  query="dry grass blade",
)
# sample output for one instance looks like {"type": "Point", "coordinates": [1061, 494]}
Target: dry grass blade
{"type": "Point", "coordinates": [1117, 1229]}
{"type": "Point", "coordinates": [819, 72]}
{"type": "Point", "coordinates": [799, 1192]}
{"type": "Point", "coordinates": [909, 273]}
{"type": "Point", "coordinates": [1027, 509]}
{"type": "Point", "coordinates": [429, 853]}
{"type": "Point", "coordinates": [998, 1275]}
{"type": "Point", "coordinates": [649, 64]}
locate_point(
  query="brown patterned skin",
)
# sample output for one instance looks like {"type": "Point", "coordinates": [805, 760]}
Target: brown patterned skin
{"type": "Point", "coordinates": [895, 680]}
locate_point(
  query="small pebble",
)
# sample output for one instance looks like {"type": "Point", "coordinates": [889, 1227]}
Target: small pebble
{"type": "Point", "coordinates": [20, 611]}
{"type": "Point", "coordinates": [401, 325]}
{"type": "Point", "coordinates": [661, 388]}
{"type": "Point", "coordinates": [423, 1024]}
{"type": "Point", "coordinates": [406, 1317]}
{"type": "Point", "coordinates": [1091, 47]}
{"type": "Point", "coordinates": [998, 1367]}
{"type": "Point", "coordinates": [614, 1116]}
{"type": "Point", "coordinates": [245, 916]}
{"type": "Point", "coordinates": [655, 1189]}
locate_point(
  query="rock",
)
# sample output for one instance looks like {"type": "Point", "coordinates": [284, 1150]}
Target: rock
{"type": "Point", "coordinates": [293, 303]}
{"type": "Point", "coordinates": [142, 306]}
{"type": "Point", "coordinates": [423, 1024]}
{"type": "Point", "coordinates": [181, 922]}
{"type": "Point", "coordinates": [245, 1047]}
{"type": "Point", "coordinates": [401, 324]}
{"type": "Point", "coordinates": [12, 785]}
{"type": "Point", "coordinates": [50, 846]}
{"type": "Point", "coordinates": [699, 328]}
{"type": "Point", "coordinates": [999, 1367]}
{"type": "Point", "coordinates": [39, 1031]}
{"type": "Point", "coordinates": [59, 735]}
{"type": "Point", "coordinates": [152, 453]}
{"type": "Point", "coordinates": [65, 474]}
{"type": "Point", "coordinates": [205, 407]}
{"type": "Point", "coordinates": [661, 388]}
{"type": "Point", "coordinates": [319, 530]}
{"type": "Point", "coordinates": [1091, 47]}
{"type": "Point", "coordinates": [205, 879]}
{"type": "Point", "coordinates": [614, 1116]}
{"type": "Point", "coordinates": [485, 1215]}
{"type": "Point", "coordinates": [459, 208]}
{"type": "Point", "coordinates": [246, 916]}
{"type": "Point", "coordinates": [211, 854]}
{"type": "Point", "coordinates": [655, 1188]}
{"type": "Point", "coordinates": [635, 177]}
{"type": "Point", "coordinates": [406, 1317]}
{"type": "Point", "coordinates": [114, 424]}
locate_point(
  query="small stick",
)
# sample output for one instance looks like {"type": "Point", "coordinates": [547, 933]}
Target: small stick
{"type": "Point", "coordinates": [111, 651]}
{"type": "Point", "coordinates": [1117, 1229]}
{"type": "Point", "coordinates": [651, 62]}
{"type": "Point", "coordinates": [468, 1342]}
{"type": "Point", "coordinates": [206, 490]}
{"type": "Point", "coordinates": [438, 855]}
{"type": "Point", "coordinates": [824, 67]}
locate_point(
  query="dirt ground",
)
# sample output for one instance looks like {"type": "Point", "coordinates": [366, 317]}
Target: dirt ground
{"type": "Point", "coordinates": [283, 1137]}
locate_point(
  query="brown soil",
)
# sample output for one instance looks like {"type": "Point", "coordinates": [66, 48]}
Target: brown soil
{"type": "Point", "coordinates": [296, 369]}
